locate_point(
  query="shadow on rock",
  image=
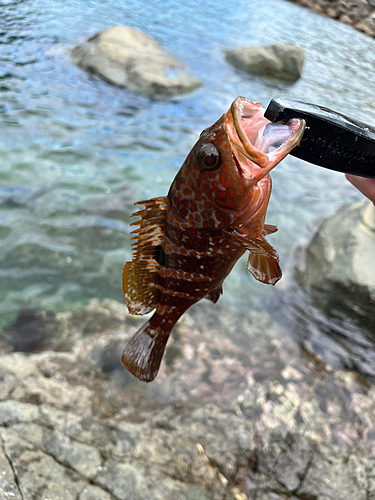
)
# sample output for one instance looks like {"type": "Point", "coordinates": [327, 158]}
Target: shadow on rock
{"type": "Point", "coordinates": [32, 331]}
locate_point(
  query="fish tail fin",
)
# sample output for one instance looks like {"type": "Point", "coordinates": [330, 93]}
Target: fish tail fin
{"type": "Point", "coordinates": [143, 354]}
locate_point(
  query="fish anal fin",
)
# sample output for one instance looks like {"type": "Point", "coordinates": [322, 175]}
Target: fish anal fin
{"type": "Point", "coordinates": [269, 229]}
{"type": "Point", "coordinates": [143, 354]}
{"type": "Point", "coordinates": [214, 295]}
{"type": "Point", "coordinates": [140, 277]}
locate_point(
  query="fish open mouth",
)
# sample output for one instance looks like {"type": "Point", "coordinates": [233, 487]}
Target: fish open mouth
{"type": "Point", "coordinates": [260, 141]}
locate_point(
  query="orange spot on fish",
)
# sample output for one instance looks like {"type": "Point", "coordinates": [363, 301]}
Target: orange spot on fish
{"type": "Point", "coordinates": [218, 215]}
{"type": "Point", "coordinates": [224, 181]}
{"type": "Point", "coordinates": [221, 194]}
{"type": "Point", "coordinates": [225, 169]}
{"type": "Point", "coordinates": [227, 219]}
{"type": "Point", "coordinates": [205, 186]}
{"type": "Point", "coordinates": [214, 185]}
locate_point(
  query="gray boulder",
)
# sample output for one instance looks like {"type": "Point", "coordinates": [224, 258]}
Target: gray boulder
{"type": "Point", "coordinates": [128, 58]}
{"type": "Point", "coordinates": [278, 60]}
{"type": "Point", "coordinates": [339, 263]}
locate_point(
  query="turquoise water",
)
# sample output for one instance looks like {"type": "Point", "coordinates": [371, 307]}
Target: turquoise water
{"type": "Point", "coordinates": [75, 152]}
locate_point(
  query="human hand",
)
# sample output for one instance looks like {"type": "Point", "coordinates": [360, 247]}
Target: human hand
{"type": "Point", "coordinates": [366, 186]}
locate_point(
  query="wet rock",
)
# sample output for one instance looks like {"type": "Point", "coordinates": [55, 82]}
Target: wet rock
{"type": "Point", "coordinates": [67, 432]}
{"type": "Point", "coordinates": [245, 363]}
{"type": "Point", "coordinates": [129, 58]}
{"type": "Point", "coordinates": [338, 264]}
{"type": "Point", "coordinates": [278, 60]}
{"type": "Point", "coordinates": [31, 331]}
{"type": "Point", "coordinates": [237, 412]}
{"type": "Point", "coordinates": [358, 13]}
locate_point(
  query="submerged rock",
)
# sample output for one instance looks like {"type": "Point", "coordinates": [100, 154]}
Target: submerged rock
{"type": "Point", "coordinates": [67, 432]}
{"type": "Point", "coordinates": [32, 330]}
{"type": "Point", "coordinates": [278, 60]}
{"type": "Point", "coordinates": [129, 58]}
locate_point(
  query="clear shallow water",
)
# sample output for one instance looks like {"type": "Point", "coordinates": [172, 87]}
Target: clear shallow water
{"type": "Point", "coordinates": [75, 152]}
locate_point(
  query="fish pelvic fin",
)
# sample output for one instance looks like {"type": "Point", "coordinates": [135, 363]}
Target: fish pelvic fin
{"type": "Point", "coordinates": [140, 277]}
{"type": "Point", "coordinates": [143, 354]}
{"type": "Point", "coordinates": [214, 295]}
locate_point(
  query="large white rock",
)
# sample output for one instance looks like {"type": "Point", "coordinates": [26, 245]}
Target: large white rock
{"type": "Point", "coordinates": [340, 263]}
{"type": "Point", "coordinates": [128, 58]}
{"type": "Point", "coordinates": [278, 60]}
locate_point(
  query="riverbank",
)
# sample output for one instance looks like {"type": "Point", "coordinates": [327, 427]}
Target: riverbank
{"type": "Point", "coordinates": [357, 13]}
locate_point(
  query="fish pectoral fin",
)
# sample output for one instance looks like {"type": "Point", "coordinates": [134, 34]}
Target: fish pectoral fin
{"type": "Point", "coordinates": [263, 261]}
{"type": "Point", "coordinates": [269, 229]}
{"type": "Point", "coordinates": [214, 295]}
{"type": "Point", "coordinates": [140, 277]}
{"type": "Point", "coordinates": [264, 268]}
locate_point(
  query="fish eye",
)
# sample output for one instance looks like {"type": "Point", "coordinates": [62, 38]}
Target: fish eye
{"type": "Point", "coordinates": [208, 157]}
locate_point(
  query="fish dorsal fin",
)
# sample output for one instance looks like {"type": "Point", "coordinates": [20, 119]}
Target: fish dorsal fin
{"type": "Point", "coordinates": [263, 261]}
{"type": "Point", "coordinates": [269, 229]}
{"type": "Point", "coordinates": [141, 276]}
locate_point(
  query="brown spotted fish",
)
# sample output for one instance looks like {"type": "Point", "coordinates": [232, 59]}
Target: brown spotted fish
{"type": "Point", "coordinates": [188, 241]}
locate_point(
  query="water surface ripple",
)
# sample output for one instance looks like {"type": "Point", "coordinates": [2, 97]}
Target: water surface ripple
{"type": "Point", "coordinates": [75, 152]}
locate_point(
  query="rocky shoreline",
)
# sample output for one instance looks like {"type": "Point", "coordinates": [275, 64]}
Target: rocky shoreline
{"type": "Point", "coordinates": [358, 13]}
{"type": "Point", "coordinates": [237, 412]}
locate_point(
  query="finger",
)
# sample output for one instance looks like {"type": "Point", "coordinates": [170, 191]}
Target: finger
{"type": "Point", "coordinates": [366, 186]}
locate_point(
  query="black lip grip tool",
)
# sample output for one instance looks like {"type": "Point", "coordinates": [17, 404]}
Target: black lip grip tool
{"type": "Point", "coordinates": [331, 140]}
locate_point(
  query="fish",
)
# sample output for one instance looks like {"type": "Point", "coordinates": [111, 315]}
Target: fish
{"type": "Point", "coordinates": [187, 242]}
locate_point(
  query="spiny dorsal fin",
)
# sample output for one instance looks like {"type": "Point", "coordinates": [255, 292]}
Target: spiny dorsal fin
{"type": "Point", "coordinates": [141, 276]}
